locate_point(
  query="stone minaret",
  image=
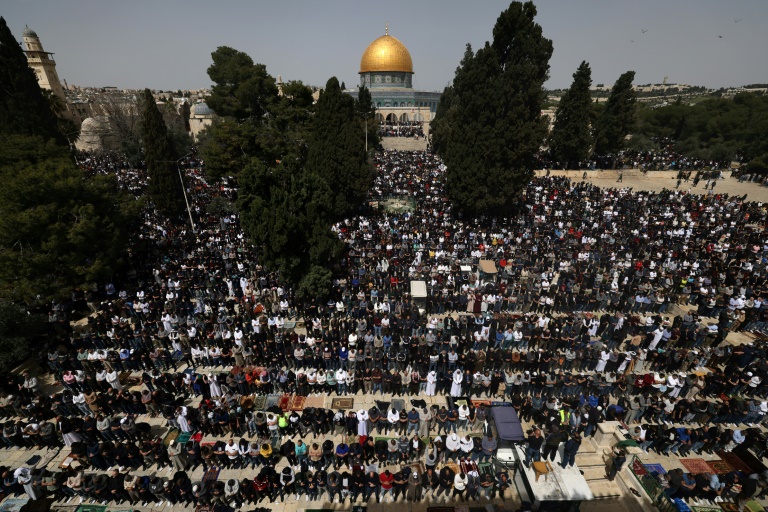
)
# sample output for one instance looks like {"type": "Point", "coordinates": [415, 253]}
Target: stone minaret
{"type": "Point", "coordinates": [42, 63]}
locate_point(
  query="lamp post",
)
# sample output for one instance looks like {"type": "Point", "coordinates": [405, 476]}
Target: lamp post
{"type": "Point", "coordinates": [184, 190]}
{"type": "Point", "coordinates": [365, 121]}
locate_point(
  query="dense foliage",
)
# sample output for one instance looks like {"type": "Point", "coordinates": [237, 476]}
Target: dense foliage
{"type": "Point", "coordinates": [24, 109]}
{"type": "Point", "coordinates": [165, 186]}
{"type": "Point", "coordinates": [17, 327]}
{"type": "Point", "coordinates": [716, 129]}
{"type": "Point", "coordinates": [618, 117]}
{"type": "Point", "coordinates": [59, 230]}
{"type": "Point", "coordinates": [571, 137]}
{"type": "Point", "coordinates": [299, 166]}
{"type": "Point", "coordinates": [488, 126]}
{"type": "Point", "coordinates": [336, 152]}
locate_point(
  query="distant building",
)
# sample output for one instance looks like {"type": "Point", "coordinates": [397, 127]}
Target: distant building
{"type": "Point", "coordinates": [200, 117]}
{"type": "Point", "coordinates": [386, 69]}
{"type": "Point", "coordinates": [42, 63]}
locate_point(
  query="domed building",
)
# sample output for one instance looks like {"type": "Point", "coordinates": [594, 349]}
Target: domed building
{"type": "Point", "coordinates": [200, 117]}
{"type": "Point", "coordinates": [386, 69]}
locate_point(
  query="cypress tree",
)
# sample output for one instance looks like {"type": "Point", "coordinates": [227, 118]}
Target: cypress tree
{"type": "Point", "coordinates": [618, 117]}
{"type": "Point", "coordinates": [165, 189]}
{"type": "Point", "coordinates": [488, 127]}
{"type": "Point", "coordinates": [571, 138]}
{"type": "Point", "coordinates": [23, 107]}
{"type": "Point", "coordinates": [336, 151]}
{"type": "Point", "coordinates": [367, 112]}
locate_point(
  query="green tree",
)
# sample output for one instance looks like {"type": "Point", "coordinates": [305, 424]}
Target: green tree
{"type": "Point", "coordinates": [571, 138]}
{"type": "Point", "coordinates": [336, 151]}
{"type": "Point", "coordinates": [59, 229]}
{"type": "Point", "coordinates": [241, 88]}
{"type": "Point", "coordinates": [285, 212]}
{"type": "Point", "coordinates": [165, 187]}
{"type": "Point", "coordinates": [17, 329]}
{"type": "Point", "coordinates": [488, 126]}
{"type": "Point", "coordinates": [618, 118]}
{"type": "Point", "coordinates": [282, 128]}
{"type": "Point", "coordinates": [367, 112]}
{"type": "Point", "coordinates": [23, 107]}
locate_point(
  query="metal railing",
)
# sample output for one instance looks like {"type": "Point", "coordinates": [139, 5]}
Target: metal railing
{"type": "Point", "coordinates": [651, 486]}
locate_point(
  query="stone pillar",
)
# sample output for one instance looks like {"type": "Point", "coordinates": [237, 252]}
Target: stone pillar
{"type": "Point", "coordinates": [605, 433]}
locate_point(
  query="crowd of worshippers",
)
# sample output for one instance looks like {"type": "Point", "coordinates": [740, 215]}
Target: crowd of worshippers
{"type": "Point", "coordinates": [662, 158]}
{"type": "Point", "coordinates": [527, 333]}
{"type": "Point", "coordinates": [120, 447]}
{"type": "Point", "coordinates": [406, 129]}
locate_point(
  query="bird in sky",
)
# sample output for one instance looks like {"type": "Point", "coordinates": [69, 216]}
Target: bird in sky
{"type": "Point", "coordinates": [736, 20]}
{"type": "Point", "coordinates": [643, 30]}
{"type": "Point", "coordinates": [720, 37]}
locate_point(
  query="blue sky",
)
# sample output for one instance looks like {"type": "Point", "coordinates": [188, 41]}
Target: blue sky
{"type": "Point", "coordinates": [167, 45]}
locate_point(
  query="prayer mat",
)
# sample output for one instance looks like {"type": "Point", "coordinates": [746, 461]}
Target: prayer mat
{"type": "Point", "coordinates": [753, 506]}
{"type": "Point", "coordinates": [272, 401]}
{"type": "Point", "coordinates": [211, 475]}
{"type": "Point", "coordinates": [485, 468]}
{"type": "Point", "coordinates": [729, 506]}
{"type": "Point", "coordinates": [259, 403]}
{"type": "Point", "coordinates": [655, 468]}
{"type": "Point", "coordinates": [453, 466]}
{"type": "Point", "coordinates": [298, 403]}
{"type": "Point", "coordinates": [735, 462]}
{"type": "Point", "coordinates": [638, 468]}
{"type": "Point", "coordinates": [171, 436]}
{"type": "Point", "coordinates": [183, 437]}
{"type": "Point", "coordinates": [47, 458]}
{"type": "Point", "coordinates": [398, 404]}
{"type": "Point", "coordinates": [246, 402]}
{"type": "Point", "coordinates": [419, 403]}
{"type": "Point", "coordinates": [695, 466]}
{"type": "Point", "coordinates": [284, 403]}
{"type": "Point", "coordinates": [706, 509]}
{"type": "Point", "coordinates": [345, 403]}
{"type": "Point", "coordinates": [91, 508]}
{"type": "Point", "coordinates": [316, 402]}
{"type": "Point", "coordinates": [478, 403]}
{"type": "Point", "coordinates": [14, 504]}
{"type": "Point", "coordinates": [383, 406]}
{"type": "Point", "coordinates": [418, 467]}
{"type": "Point", "coordinates": [33, 460]}
{"type": "Point", "coordinates": [719, 467]}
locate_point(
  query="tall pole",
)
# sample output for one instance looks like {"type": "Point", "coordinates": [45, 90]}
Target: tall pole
{"type": "Point", "coordinates": [184, 190]}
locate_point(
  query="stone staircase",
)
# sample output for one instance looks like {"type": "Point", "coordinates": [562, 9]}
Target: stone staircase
{"type": "Point", "coordinates": [591, 463]}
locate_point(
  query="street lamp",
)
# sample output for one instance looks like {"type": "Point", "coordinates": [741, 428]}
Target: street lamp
{"type": "Point", "coordinates": [184, 190]}
{"type": "Point", "coordinates": [365, 120]}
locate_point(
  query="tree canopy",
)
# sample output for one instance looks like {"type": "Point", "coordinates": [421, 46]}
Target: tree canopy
{"type": "Point", "coordinates": [571, 137]}
{"type": "Point", "coordinates": [336, 150]}
{"type": "Point", "coordinates": [241, 89]}
{"type": "Point", "coordinates": [24, 110]}
{"type": "Point", "coordinates": [618, 118]}
{"type": "Point", "coordinates": [488, 125]}
{"type": "Point", "coordinates": [59, 230]}
{"type": "Point", "coordinates": [718, 129]}
{"type": "Point", "coordinates": [165, 187]}
{"type": "Point", "coordinates": [299, 166]}
{"type": "Point", "coordinates": [284, 210]}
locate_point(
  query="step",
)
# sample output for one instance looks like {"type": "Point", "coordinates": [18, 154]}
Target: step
{"type": "Point", "coordinates": [594, 473]}
{"type": "Point", "coordinates": [604, 489]}
{"type": "Point", "coordinates": [585, 460]}
{"type": "Point", "coordinates": [587, 446]}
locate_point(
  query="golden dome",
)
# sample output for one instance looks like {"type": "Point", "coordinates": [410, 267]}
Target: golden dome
{"type": "Point", "coordinates": [386, 53]}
